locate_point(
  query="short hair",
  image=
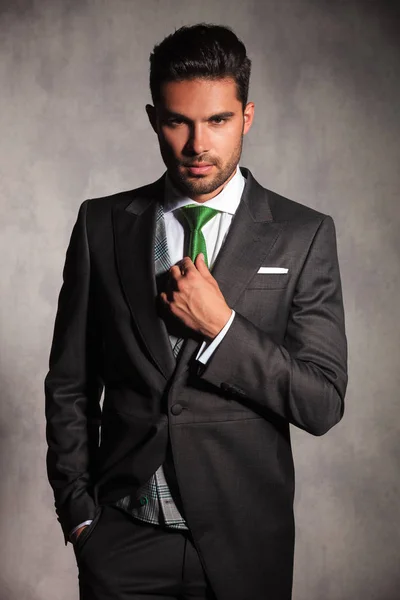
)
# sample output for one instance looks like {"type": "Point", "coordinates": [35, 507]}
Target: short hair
{"type": "Point", "coordinates": [200, 51]}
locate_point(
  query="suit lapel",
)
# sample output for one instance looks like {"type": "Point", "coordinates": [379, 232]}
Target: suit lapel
{"type": "Point", "coordinates": [134, 228]}
{"type": "Point", "coordinates": [251, 236]}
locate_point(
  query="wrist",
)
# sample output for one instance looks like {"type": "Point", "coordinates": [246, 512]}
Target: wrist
{"type": "Point", "coordinates": [213, 329]}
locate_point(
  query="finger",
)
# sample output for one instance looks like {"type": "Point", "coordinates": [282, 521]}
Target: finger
{"type": "Point", "coordinates": [164, 298]}
{"type": "Point", "coordinates": [186, 265]}
{"type": "Point", "coordinates": [175, 271]}
{"type": "Point", "coordinates": [201, 266]}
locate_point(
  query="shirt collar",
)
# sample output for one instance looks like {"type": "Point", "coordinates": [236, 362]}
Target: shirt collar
{"type": "Point", "coordinates": [226, 201]}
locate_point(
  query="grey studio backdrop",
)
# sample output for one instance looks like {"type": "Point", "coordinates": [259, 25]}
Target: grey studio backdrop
{"type": "Point", "coordinates": [74, 82]}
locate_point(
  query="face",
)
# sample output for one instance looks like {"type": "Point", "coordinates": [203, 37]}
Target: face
{"type": "Point", "coordinates": [200, 126]}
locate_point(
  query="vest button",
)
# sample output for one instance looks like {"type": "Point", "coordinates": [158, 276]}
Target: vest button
{"type": "Point", "coordinates": [176, 409]}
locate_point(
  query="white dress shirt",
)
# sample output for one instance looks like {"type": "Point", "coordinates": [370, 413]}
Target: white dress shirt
{"type": "Point", "coordinates": [214, 231]}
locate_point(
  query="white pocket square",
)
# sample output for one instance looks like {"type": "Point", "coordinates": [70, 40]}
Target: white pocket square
{"type": "Point", "coordinates": [263, 270]}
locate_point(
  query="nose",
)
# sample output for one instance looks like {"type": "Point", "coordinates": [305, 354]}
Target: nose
{"type": "Point", "coordinates": [198, 142]}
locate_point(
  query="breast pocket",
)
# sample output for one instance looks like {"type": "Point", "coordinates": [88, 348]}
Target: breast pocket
{"type": "Point", "coordinates": [268, 281]}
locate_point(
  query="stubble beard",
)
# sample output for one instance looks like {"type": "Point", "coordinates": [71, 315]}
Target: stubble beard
{"type": "Point", "coordinates": [202, 185]}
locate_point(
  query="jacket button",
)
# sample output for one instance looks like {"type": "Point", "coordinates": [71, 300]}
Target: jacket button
{"type": "Point", "coordinates": [176, 409]}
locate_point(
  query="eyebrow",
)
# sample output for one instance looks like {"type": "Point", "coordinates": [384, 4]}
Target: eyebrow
{"type": "Point", "coordinates": [222, 115]}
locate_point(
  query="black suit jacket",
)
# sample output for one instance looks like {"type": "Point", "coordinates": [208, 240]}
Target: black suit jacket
{"type": "Point", "coordinates": [282, 361]}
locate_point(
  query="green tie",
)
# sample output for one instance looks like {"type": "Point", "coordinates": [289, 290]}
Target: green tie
{"type": "Point", "coordinates": [196, 217]}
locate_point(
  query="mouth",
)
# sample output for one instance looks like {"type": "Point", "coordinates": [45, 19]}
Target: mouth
{"type": "Point", "coordinates": [202, 169]}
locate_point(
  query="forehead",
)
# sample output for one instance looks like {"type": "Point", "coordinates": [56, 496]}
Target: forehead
{"type": "Point", "coordinates": [196, 97]}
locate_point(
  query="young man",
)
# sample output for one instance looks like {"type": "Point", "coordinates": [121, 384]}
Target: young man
{"type": "Point", "coordinates": [209, 310]}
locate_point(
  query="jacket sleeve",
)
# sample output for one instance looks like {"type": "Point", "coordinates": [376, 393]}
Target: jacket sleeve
{"type": "Point", "coordinates": [73, 388]}
{"type": "Point", "coordinates": [304, 379]}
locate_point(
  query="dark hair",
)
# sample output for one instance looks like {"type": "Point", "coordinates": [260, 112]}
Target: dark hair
{"type": "Point", "coordinates": [200, 52]}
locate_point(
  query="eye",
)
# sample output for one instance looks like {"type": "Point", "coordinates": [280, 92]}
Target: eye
{"type": "Point", "coordinates": [175, 121]}
{"type": "Point", "coordinates": [218, 120]}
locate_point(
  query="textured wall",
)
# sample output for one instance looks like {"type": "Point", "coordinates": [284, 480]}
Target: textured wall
{"type": "Point", "coordinates": [73, 80]}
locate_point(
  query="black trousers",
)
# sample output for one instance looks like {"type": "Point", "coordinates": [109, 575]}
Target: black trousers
{"type": "Point", "coordinates": [121, 558]}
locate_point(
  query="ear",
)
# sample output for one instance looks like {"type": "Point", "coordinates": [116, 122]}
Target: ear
{"type": "Point", "coordinates": [248, 116]}
{"type": "Point", "coordinates": [152, 114]}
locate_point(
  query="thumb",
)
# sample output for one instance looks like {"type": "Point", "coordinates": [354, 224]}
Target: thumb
{"type": "Point", "coordinates": [201, 266]}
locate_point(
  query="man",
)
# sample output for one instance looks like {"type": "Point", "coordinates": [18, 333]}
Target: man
{"type": "Point", "coordinates": [209, 310]}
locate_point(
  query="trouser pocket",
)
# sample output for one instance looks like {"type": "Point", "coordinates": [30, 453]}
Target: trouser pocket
{"type": "Point", "coordinates": [87, 532]}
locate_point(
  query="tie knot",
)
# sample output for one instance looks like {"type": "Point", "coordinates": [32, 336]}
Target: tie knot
{"type": "Point", "coordinates": [197, 216]}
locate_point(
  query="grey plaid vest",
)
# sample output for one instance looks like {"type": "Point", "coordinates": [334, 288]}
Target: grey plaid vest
{"type": "Point", "coordinates": [156, 504]}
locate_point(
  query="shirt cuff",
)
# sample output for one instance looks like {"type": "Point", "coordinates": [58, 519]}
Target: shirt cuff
{"type": "Point", "coordinates": [71, 533]}
{"type": "Point", "coordinates": [207, 349]}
